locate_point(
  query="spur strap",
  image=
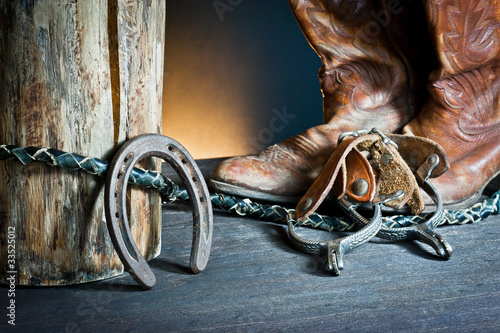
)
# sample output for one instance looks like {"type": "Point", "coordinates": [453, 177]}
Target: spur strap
{"type": "Point", "coordinates": [368, 168]}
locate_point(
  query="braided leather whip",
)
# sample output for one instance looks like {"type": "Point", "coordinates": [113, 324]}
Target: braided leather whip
{"type": "Point", "coordinates": [244, 207]}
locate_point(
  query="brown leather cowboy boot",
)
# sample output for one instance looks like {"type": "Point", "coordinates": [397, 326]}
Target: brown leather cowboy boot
{"type": "Point", "coordinates": [463, 111]}
{"type": "Point", "coordinates": [365, 80]}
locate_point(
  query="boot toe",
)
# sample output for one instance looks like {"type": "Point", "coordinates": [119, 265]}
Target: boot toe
{"type": "Point", "coordinates": [251, 173]}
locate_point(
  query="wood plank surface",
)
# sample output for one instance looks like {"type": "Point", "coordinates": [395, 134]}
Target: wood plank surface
{"type": "Point", "coordinates": [255, 281]}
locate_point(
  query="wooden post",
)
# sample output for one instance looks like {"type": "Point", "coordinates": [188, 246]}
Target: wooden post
{"type": "Point", "coordinates": [83, 77]}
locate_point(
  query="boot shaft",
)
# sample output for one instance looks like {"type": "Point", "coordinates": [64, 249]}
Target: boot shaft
{"type": "Point", "coordinates": [342, 31]}
{"type": "Point", "coordinates": [465, 34]}
{"type": "Point", "coordinates": [363, 48]}
{"type": "Point", "coordinates": [465, 102]}
{"type": "Point", "coordinates": [462, 113]}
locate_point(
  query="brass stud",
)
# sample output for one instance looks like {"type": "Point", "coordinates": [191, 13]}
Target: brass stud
{"type": "Point", "coordinates": [360, 187]}
{"type": "Point", "coordinates": [385, 158]}
{"type": "Point", "coordinates": [306, 204]}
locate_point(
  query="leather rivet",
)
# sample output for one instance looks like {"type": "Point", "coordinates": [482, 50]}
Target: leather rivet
{"type": "Point", "coordinates": [360, 187]}
{"type": "Point", "coordinates": [366, 154]}
{"type": "Point", "coordinates": [432, 159]}
{"type": "Point", "coordinates": [306, 204]}
{"type": "Point", "coordinates": [384, 159]}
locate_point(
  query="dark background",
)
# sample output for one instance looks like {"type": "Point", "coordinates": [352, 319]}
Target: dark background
{"type": "Point", "coordinates": [230, 67]}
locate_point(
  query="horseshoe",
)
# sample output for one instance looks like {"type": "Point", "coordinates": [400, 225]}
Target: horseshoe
{"type": "Point", "coordinates": [119, 171]}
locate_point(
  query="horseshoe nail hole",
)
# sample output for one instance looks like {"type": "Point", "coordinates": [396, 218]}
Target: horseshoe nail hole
{"type": "Point", "coordinates": [117, 215]}
{"type": "Point", "coordinates": [121, 170]}
{"type": "Point", "coordinates": [184, 161]}
{"type": "Point", "coordinates": [201, 200]}
{"type": "Point", "coordinates": [194, 179]}
{"type": "Point", "coordinates": [128, 157]}
{"type": "Point", "coordinates": [170, 148]}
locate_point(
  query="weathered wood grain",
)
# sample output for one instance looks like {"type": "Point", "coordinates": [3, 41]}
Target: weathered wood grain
{"type": "Point", "coordinates": [63, 87]}
{"type": "Point", "coordinates": [141, 29]}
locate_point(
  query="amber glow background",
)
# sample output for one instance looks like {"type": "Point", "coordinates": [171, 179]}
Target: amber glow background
{"type": "Point", "coordinates": [226, 70]}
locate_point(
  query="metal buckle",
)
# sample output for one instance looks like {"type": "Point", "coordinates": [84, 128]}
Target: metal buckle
{"type": "Point", "coordinates": [385, 139]}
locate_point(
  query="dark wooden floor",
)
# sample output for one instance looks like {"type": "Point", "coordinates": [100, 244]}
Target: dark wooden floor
{"type": "Point", "coordinates": [255, 281]}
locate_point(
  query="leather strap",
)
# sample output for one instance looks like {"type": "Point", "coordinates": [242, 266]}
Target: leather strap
{"type": "Point", "coordinates": [414, 150]}
{"type": "Point", "coordinates": [336, 164]}
{"type": "Point", "coordinates": [369, 161]}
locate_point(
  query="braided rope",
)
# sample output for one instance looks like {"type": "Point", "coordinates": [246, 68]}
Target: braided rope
{"type": "Point", "coordinates": [244, 207]}
{"type": "Point", "coordinates": [278, 214]}
{"type": "Point", "coordinates": [92, 165]}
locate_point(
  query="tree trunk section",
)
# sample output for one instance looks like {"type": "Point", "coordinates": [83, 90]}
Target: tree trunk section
{"type": "Point", "coordinates": [83, 77]}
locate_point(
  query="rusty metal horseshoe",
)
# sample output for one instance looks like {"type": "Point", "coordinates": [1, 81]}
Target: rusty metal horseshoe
{"type": "Point", "coordinates": [172, 152]}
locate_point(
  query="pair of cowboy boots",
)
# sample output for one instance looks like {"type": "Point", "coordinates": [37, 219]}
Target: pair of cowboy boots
{"type": "Point", "coordinates": [378, 59]}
